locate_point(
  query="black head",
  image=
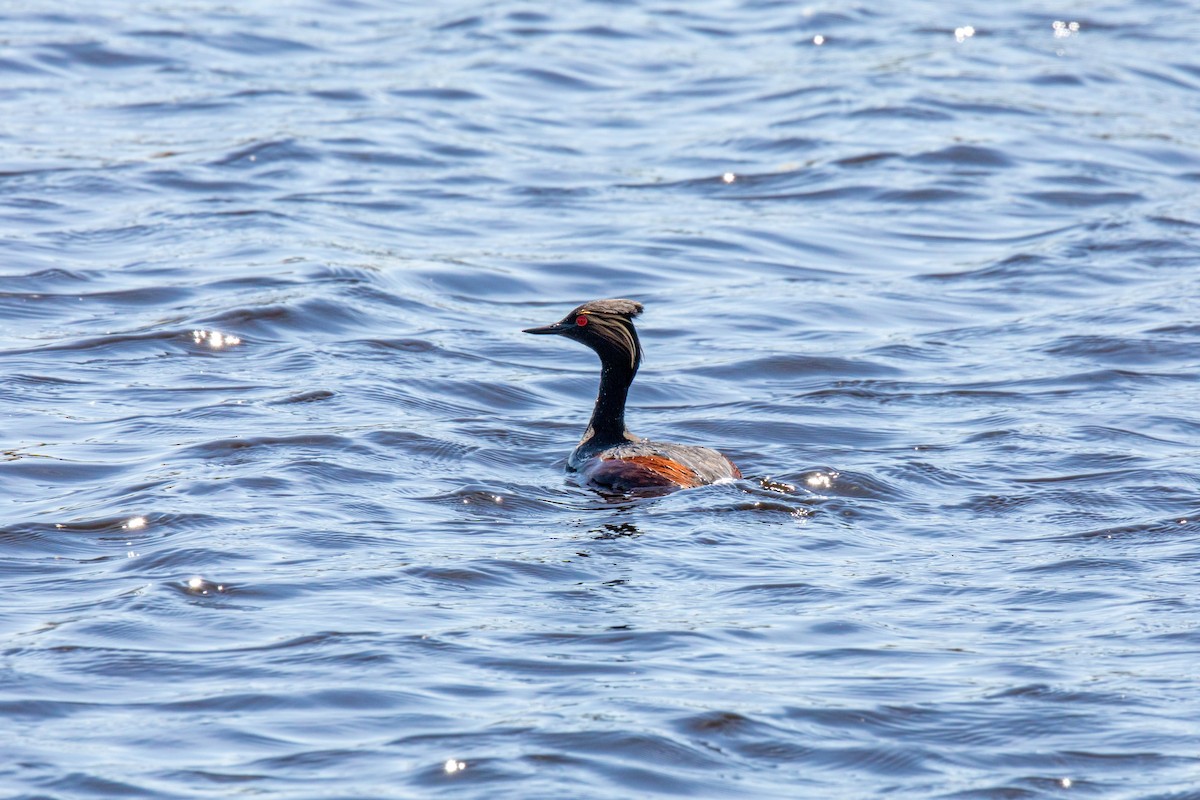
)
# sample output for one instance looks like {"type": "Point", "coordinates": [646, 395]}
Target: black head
{"type": "Point", "coordinates": [606, 326]}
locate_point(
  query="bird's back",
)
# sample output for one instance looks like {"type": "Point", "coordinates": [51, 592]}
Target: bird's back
{"type": "Point", "coordinates": [645, 464]}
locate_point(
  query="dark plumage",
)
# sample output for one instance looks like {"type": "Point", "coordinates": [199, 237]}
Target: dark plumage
{"type": "Point", "coordinates": [609, 455]}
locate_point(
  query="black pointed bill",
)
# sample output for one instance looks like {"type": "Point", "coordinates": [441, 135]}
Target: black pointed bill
{"type": "Point", "coordinates": [558, 327]}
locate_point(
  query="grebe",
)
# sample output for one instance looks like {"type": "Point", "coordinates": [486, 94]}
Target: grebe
{"type": "Point", "coordinates": [609, 456]}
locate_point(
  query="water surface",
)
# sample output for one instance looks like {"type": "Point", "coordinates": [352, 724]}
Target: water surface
{"type": "Point", "coordinates": [284, 510]}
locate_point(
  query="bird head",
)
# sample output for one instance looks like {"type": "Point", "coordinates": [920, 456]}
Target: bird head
{"type": "Point", "coordinates": [606, 326]}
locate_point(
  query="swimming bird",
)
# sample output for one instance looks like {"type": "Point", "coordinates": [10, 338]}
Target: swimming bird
{"type": "Point", "coordinates": [609, 456]}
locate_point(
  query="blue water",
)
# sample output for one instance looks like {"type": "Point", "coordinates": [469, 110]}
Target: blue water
{"type": "Point", "coordinates": [283, 503]}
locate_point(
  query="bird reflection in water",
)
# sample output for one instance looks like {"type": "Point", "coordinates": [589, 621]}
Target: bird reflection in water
{"type": "Point", "coordinates": [616, 530]}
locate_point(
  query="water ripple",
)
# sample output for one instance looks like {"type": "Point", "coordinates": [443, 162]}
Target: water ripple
{"type": "Point", "coordinates": [284, 483]}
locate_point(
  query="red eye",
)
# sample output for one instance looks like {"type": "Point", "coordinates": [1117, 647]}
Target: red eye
{"type": "Point", "coordinates": [581, 320]}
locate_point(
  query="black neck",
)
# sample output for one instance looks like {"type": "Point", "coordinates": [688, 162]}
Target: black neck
{"type": "Point", "coordinates": [607, 426]}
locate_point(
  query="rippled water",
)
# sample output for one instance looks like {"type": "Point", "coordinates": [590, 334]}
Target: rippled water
{"type": "Point", "coordinates": [284, 511]}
